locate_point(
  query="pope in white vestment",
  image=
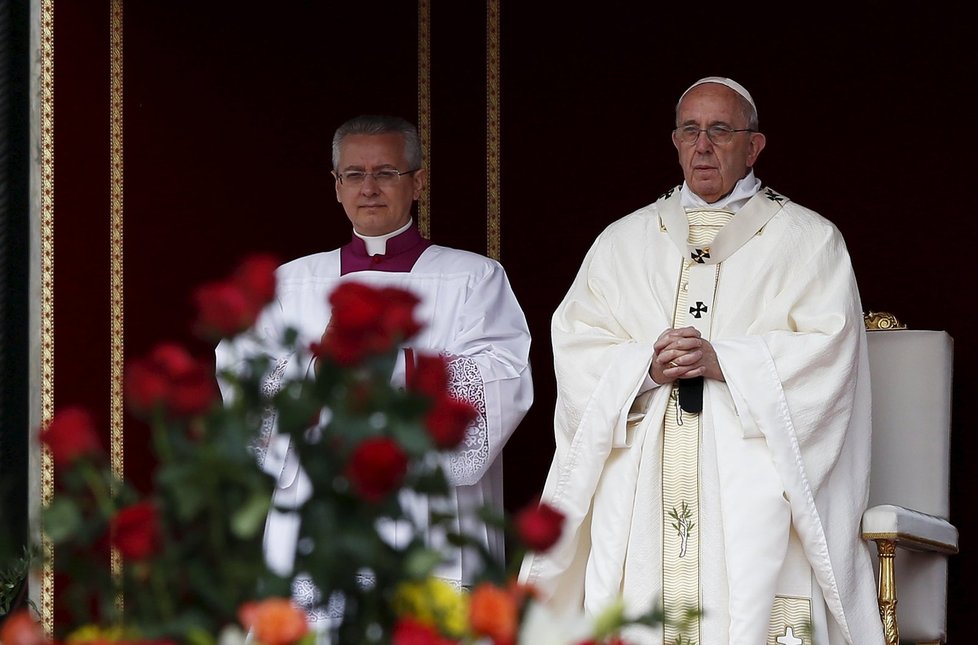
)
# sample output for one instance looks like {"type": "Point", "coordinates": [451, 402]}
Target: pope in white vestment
{"type": "Point", "coordinates": [747, 511]}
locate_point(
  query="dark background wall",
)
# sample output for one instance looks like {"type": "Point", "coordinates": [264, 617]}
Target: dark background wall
{"type": "Point", "coordinates": [228, 113]}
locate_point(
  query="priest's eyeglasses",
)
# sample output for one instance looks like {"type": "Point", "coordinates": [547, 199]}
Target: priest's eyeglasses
{"type": "Point", "coordinates": [385, 177]}
{"type": "Point", "coordinates": [718, 134]}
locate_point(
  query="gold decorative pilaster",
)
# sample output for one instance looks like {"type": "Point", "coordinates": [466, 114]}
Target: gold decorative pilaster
{"type": "Point", "coordinates": [492, 130]}
{"type": "Point", "coordinates": [47, 295]}
{"type": "Point", "coordinates": [116, 404]}
{"type": "Point", "coordinates": [424, 110]}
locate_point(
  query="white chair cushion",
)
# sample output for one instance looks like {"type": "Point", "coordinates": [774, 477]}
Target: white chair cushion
{"type": "Point", "coordinates": [912, 530]}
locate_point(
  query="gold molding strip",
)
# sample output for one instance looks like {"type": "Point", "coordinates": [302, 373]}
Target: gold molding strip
{"type": "Point", "coordinates": [424, 110]}
{"type": "Point", "coordinates": [912, 542]}
{"type": "Point", "coordinates": [47, 295]}
{"type": "Point", "coordinates": [492, 129]}
{"type": "Point", "coordinates": [116, 405]}
{"type": "Point", "coordinates": [881, 320]}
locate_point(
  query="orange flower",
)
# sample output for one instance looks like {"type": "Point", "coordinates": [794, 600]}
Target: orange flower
{"type": "Point", "coordinates": [493, 613]}
{"type": "Point", "coordinates": [21, 628]}
{"type": "Point", "coordinates": [274, 621]}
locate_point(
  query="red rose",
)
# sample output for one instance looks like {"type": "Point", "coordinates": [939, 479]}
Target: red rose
{"type": "Point", "coordinates": [399, 308]}
{"type": "Point", "coordinates": [430, 376]}
{"type": "Point", "coordinates": [146, 386]}
{"type": "Point", "coordinates": [539, 526]}
{"type": "Point", "coordinates": [173, 360]}
{"type": "Point", "coordinates": [22, 628]}
{"type": "Point", "coordinates": [136, 531]}
{"type": "Point", "coordinates": [377, 468]}
{"type": "Point", "coordinates": [192, 393]}
{"type": "Point", "coordinates": [367, 320]}
{"type": "Point", "coordinates": [170, 377]}
{"type": "Point", "coordinates": [356, 306]}
{"type": "Point", "coordinates": [70, 435]}
{"type": "Point", "coordinates": [343, 347]}
{"type": "Point", "coordinates": [224, 310]}
{"type": "Point", "coordinates": [411, 632]}
{"type": "Point", "coordinates": [256, 278]}
{"type": "Point", "coordinates": [448, 420]}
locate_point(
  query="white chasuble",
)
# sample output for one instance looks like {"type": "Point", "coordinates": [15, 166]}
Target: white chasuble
{"type": "Point", "coordinates": [775, 474]}
{"type": "Point", "coordinates": [471, 316]}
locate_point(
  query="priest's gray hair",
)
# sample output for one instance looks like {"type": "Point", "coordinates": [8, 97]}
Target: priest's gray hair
{"type": "Point", "coordinates": [749, 108]}
{"type": "Point", "coordinates": [374, 124]}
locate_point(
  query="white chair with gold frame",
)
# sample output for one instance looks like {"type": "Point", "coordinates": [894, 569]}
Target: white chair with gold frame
{"type": "Point", "coordinates": [909, 505]}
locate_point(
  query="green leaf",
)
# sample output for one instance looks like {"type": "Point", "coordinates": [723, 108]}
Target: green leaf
{"type": "Point", "coordinates": [421, 562]}
{"type": "Point", "coordinates": [62, 520]}
{"type": "Point", "coordinates": [248, 520]}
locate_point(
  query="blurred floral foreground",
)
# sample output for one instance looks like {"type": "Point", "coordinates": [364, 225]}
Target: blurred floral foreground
{"type": "Point", "coordinates": [183, 563]}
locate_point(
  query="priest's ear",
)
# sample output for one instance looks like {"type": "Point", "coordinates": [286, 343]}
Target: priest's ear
{"type": "Point", "coordinates": [420, 179]}
{"type": "Point", "coordinates": [336, 183]}
{"type": "Point", "coordinates": [754, 146]}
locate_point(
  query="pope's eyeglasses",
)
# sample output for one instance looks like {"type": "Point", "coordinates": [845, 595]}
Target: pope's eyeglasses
{"type": "Point", "coordinates": [718, 134]}
{"type": "Point", "coordinates": [385, 177]}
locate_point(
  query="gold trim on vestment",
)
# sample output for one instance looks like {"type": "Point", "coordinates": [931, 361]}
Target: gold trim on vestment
{"type": "Point", "coordinates": [792, 613]}
{"type": "Point", "coordinates": [680, 468]}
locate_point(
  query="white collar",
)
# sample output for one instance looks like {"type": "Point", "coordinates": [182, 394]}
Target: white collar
{"type": "Point", "coordinates": [377, 244]}
{"type": "Point", "coordinates": [733, 201]}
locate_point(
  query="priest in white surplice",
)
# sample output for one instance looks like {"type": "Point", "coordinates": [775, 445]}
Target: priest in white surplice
{"type": "Point", "coordinates": [470, 314]}
{"type": "Point", "coordinates": [739, 493]}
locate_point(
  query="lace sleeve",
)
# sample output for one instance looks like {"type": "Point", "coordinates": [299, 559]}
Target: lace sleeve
{"type": "Point", "coordinates": [270, 386]}
{"type": "Point", "coordinates": [467, 463]}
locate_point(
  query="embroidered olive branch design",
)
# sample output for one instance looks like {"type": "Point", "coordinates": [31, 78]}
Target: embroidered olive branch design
{"type": "Point", "coordinates": [683, 525]}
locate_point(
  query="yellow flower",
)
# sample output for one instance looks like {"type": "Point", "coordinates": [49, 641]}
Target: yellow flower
{"type": "Point", "coordinates": [96, 634]}
{"type": "Point", "coordinates": [435, 603]}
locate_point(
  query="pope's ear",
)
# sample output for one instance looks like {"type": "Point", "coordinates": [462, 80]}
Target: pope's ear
{"type": "Point", "coordinates": [756, 144]}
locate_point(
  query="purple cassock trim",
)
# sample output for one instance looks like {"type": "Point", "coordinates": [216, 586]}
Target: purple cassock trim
{"type": "Point", "coordinates": [402, 252]}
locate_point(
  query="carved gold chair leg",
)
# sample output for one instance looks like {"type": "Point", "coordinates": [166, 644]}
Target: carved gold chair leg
{"type": "Point", "coordinates": [887, 591]}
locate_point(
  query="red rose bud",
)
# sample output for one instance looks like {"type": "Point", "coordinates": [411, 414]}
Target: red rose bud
{"type": "Point", "coordinates": [399, 308]}
{"type": "Point", "coordinates": [343, 347]}
{"type": "Point", "coordinates": [146, 387]}
{"type": "Point", "coordinates": [71, 435]}
{"type": "Point", "coordinates": [377, 468]}
{"type": "Point", "coordinates": [20, 627]}
{"type": "Point", "coordinates": [193, 393]}
{"type": "Point", "coordinates": [430, 376]}
{"type": "Point", "coordinates": [367, 320]}
{"type": "Point", "coordinates": [136, 531]}
{"type": "Point", "coordinates": [356, 307]}
{"type": "Point", "coordinates": [224, 310]}
{"type": "Point", "coordinates": [539, 526]}
{"type": "Point", "coordinates": [448, 420]}
{"type": "Point", "coordinates": [170, 377]}
{"type": "Point", "coordinates": [256, 278]}
{"type": "Point", "coordinates": [408, 631]}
